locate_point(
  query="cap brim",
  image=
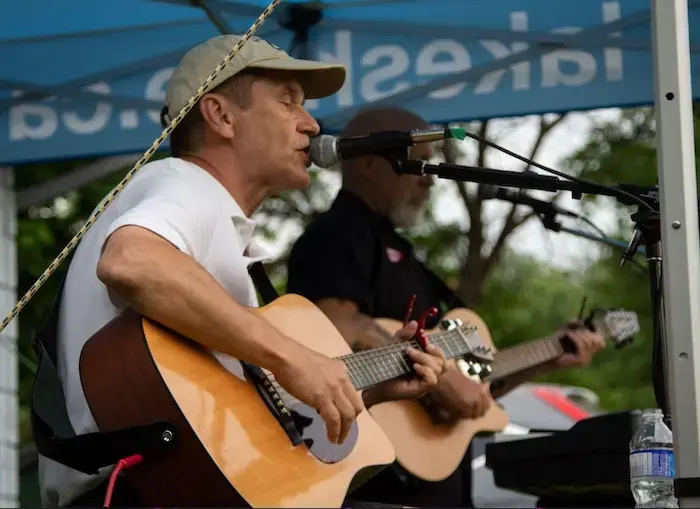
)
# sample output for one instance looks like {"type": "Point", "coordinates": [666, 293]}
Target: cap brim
{"type": "Point", "coordinates": [318, 79]}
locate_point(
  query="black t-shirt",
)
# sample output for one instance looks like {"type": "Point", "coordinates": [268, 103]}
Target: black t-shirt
{"type": "Point", "coordinates": [350, 252]}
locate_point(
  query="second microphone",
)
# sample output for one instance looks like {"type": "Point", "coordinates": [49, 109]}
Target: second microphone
{"type": "Point", "coordinates": [327, 151]}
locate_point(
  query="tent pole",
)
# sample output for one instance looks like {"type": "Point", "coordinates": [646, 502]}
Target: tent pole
{"type": "Point", "coordinates": [9, 404]}
{"type": "Point", "coordinates": [680, 238]}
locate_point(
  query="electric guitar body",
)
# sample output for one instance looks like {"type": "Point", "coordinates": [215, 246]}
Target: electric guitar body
{"type": "Point", "coordinates": [426, 447]}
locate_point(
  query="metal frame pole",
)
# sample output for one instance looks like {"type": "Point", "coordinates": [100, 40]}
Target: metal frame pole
{"type": "Point", "coordinates": [679, 236]}
{"type": "Point", "coordinates": [9, 401]}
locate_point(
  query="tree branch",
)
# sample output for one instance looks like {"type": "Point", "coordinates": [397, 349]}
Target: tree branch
{"type": "Point", "coordinates": [471, 203]}
{"type": "Point", "coordinates": [477, 266]}
{"type": "Point", "coordinates": [545, 127]}
{"type": "Point", "coordinates": [512, 222]}
{"type": "Point", "coordinates": [481, 159]}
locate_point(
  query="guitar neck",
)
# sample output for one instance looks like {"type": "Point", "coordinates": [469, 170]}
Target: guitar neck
{"type": "Point", "coordinates": [372, 367]}
{"type": "Point", "coordinates": [526, 356]}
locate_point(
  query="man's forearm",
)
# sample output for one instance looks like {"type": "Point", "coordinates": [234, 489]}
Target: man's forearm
{"type": "Point", "coordinates": [363, 333]}
{"type": "Point", "coordinates": [169, 287]}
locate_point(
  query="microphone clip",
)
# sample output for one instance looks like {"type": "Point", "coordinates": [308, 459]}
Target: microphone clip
{"type": "Point", "coordinates": [401, 164]}
{"type": "Point", "coordinates": [647, 231]}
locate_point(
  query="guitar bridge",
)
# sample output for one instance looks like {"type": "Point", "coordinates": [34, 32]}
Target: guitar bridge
{"type": "Point", "coordinates": [273, 401]}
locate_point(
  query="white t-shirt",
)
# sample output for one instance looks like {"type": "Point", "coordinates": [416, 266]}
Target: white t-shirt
{"type": "Point", "coordinates": [182, 203]}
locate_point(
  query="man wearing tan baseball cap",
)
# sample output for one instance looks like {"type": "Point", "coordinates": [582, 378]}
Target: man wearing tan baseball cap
{"type": "Point", "coordinates": [317, 79]}
{"type": "Point", "coordinates": [176, 244]}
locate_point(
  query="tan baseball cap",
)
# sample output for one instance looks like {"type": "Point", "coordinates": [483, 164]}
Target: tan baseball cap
{"type": "Point", "coordinates": [318, 79]}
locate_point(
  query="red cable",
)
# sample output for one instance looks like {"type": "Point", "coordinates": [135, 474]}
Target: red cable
{"type": "Point", "coordinates": [123, 464]}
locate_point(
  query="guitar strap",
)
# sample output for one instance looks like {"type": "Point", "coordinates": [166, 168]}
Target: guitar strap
{"type": "Point", "coordinates": [51, 427]}
{"type": "Point", "coordinates": [52, 430]}
{"type": "Point", "coordinates": [262, 282]}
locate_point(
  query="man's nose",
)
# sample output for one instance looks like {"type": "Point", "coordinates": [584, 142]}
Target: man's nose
{"type": "Point", "coordinates": [308, 124]}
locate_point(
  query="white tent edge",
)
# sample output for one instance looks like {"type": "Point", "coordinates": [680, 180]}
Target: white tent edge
{"type": "Point", "coordinates": [680, 252]}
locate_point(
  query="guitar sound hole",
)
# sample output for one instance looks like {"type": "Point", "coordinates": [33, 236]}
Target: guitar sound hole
{"type": "Point", "coordinates": [312, 429]}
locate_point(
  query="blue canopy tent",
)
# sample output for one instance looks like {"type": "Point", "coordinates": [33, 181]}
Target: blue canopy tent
{"type": "Point", "coordinates": [516, 59]}
{"type": "Point", "coordinates": [84, 79]}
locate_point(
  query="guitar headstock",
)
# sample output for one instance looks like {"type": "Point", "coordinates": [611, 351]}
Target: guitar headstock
{"type": "Point", "coordinates": [477, 361]}
{"type": "Point", "coordinates": [618, 325]}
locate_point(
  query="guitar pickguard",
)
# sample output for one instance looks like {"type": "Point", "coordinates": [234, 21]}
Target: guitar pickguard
{"type": "Point", "coordinates": [301, 423]}
{"type": "Point", "coordinates": [313, 433]}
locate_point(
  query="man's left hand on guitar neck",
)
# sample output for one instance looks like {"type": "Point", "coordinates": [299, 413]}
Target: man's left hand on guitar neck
{"type": "Point", "coordinates": [459, 397]}
{"type": "Point", "coordinates": [428, 366]}
{"type": "Point", "coordinates": [587, 344]}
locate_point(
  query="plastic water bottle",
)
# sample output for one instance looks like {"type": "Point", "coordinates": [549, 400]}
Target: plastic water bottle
{"type": "Point", "coordinates": [652, 462]}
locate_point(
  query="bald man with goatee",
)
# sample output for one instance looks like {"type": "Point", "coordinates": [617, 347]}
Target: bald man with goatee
{"type": "Point", "coordinates": [354, 264]}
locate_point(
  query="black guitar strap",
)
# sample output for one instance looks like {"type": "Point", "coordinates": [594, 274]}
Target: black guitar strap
{"type": "Point", "coordinates": [52, 431]}
{"type": "Point", "coordinates": [262, 282]}
{"type": "Point", "coordinates": [51, 427]}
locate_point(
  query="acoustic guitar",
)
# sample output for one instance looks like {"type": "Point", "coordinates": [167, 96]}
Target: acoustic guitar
{"type": "Point", "coordinates": [430, 448]}
{"type": "Point", "coordinates": [241, 440]}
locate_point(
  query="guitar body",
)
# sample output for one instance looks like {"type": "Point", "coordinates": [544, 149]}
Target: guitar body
{"type": "Point", "coordinates": [231, 450]}
{"type": "Point", "coordinates": [427, 449]}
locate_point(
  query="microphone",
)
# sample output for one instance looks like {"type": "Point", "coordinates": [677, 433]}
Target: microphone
{"type": "Point", "coordinates": [327, 151]}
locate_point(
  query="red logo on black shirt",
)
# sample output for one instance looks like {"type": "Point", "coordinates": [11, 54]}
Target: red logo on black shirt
{"type": "Point", "coordinates": [394, 255]}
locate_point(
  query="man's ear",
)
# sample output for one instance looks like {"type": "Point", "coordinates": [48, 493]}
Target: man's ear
{"type": "Point", "coordinates": [374, 165]}
{"type": "Point", "coordinates": [218, 115]}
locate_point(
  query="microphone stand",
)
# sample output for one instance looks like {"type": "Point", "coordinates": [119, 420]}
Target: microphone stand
{"type": "Point", "coordinates": [647, 231]}
{"type": "Point", "coordinates": [557, 227]}
{"type": "Point", "coordinates": [548, 212]}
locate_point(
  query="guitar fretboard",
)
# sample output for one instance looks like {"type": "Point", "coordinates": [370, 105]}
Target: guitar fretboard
{"type": "Point", "coordinates": [522, 357]}
{"type": "Point", "coordinates": [372, 367]}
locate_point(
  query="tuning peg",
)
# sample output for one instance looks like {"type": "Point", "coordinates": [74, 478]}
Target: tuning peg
{"type": "Point", "coordinates": [450, 323]}
{"type": "Point", "coordinates": [488, 369]}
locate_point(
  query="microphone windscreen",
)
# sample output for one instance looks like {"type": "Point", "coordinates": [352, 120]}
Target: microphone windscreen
{"type": "Point", "coordinates": [323, 151]}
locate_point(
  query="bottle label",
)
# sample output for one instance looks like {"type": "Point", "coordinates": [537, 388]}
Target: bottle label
{"type": "Point", "coordinates": [652, 463]}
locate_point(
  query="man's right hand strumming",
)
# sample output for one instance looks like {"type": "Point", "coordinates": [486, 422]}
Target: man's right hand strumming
{"type": "Point", "coordinates": [322, 383]}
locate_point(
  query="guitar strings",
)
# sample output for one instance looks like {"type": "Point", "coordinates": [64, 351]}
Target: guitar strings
{"type": "Point", "coordinates": [440, 337]}
{"type": "Point", "coordinates": [356, 361]}
{"type": "Point", "coordinates": [358, 365]}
